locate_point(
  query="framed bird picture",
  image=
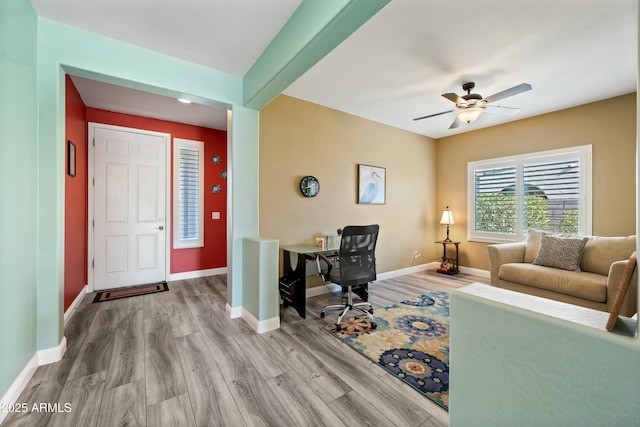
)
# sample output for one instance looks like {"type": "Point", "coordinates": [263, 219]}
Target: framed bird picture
{"type": "Point", "coordinates": [372, 182]}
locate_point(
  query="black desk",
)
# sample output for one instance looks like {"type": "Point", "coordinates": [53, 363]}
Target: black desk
{"type": "Point", "coordinates": [293, 283]}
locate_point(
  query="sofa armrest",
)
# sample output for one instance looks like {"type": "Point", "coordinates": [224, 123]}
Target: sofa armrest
{"type": "Point", "coordinates": [630, 303]}
{"type": "Point", "coordinates": [503, 253]}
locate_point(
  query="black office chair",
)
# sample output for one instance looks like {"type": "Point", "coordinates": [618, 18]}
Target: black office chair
{"type": "Point", "coordinates": [354, 269]}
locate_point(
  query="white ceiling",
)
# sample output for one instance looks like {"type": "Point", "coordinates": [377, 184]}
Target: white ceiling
{"type": "Point", "coordinates": [228, 35]}
{"type": "Point", "coordinates": [397, 65]}
{"type": "Point", "coordinates": [110, 97]}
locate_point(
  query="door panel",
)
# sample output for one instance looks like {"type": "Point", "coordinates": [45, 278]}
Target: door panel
{"type": "Point", "coordinates": [129, 208]}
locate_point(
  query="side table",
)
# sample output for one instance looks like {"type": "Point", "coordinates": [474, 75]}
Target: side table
{"type": "Point", "coordinates": [449, 264]}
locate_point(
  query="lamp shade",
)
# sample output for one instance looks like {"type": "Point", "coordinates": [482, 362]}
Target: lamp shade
{"type": "Point", "coordinates": [447, 217]}
{"type": "Point", "coordinates": [469, 114]}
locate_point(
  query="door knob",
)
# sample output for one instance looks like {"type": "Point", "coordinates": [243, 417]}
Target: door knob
{"type": "Point", "coordinates": [159, 228]}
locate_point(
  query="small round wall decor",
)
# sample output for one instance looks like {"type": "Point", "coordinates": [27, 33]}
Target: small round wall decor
{"type": "Point", "coordinates": [309, 186]}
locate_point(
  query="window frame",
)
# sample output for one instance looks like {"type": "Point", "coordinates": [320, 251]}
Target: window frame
{"type": "Point", "coordinates": [180, 144]}
{"type": "Point", "coordinates": [583, 153]}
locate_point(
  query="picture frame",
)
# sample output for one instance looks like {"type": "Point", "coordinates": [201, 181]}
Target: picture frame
{"type": "Point", "coordinates": [622, 291]}
{"type": "Point", "coordinates": [372, 185]}
{"type": "Point", "coordinates": [71, 158]}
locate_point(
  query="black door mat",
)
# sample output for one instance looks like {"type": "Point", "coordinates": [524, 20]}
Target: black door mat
{"type": "Point", "coordinates": [132, 291]}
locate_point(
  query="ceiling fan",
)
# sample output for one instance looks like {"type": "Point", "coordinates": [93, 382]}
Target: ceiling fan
{"type": "Point", "coordinates": [471, 105]}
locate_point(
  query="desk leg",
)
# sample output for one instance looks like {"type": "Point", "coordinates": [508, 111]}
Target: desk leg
{"type": "Point", "coordinates": [299, 272]}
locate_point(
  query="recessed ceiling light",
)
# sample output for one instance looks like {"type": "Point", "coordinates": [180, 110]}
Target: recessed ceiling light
{"type": "Point", "coordinates": [184, 101]}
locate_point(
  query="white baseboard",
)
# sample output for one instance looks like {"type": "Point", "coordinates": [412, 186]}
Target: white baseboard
{"type": "Point", "coordinates": [332, 287]}
{"type": "Point", "coordinates": [42, 357]}
{"type": "Point", "coordinates": [233, 312]}
{"type": "Point", "coordinates": [428, 266]}
{"type": "Point", "coordinates": [261, 326]}
{"type": "Point", "coordinates": [476, 272]}
{"type": "Point", "coordinates": [18, 386]}
{"type": "Point", "coordinates": [52, 355]}
{"type": "Point", "coordinates": [198, 273]}
{"type": "Point", "coordinates": [72, 308]}
{"type": "Point", "coordinates": [408, 270]}
{"type": "Point", "coordinates": [322, 289]}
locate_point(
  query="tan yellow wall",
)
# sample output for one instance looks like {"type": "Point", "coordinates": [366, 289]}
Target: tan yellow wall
{"type": "Point", "coordinates": [298, 138]}
{"type": "Point", "coordinates": [609, 126]}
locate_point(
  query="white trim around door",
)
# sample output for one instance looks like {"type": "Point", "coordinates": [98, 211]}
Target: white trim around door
{"type": "Point", "coordinates": [91, 196]}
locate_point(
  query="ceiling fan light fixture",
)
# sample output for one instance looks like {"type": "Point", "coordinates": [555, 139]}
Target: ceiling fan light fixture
{"type": "Point", "coordinates": [471, 105]}
{"type": "Point", "coordinates": [469, 114]}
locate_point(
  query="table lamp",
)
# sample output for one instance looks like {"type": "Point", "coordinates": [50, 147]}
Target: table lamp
{"type": "Point", "coordinates": [447, 218]}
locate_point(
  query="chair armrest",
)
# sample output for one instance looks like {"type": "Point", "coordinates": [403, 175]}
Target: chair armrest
{"type": "Point", "coordinates": [503, 253]}
{"type": "Point", "coordinates": [614, 280]}
{"type": "Point", "coordinates": [324, 276]}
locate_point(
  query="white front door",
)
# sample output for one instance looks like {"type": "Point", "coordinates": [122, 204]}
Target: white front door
{"type": "Point", "coordinates": [129, 206]}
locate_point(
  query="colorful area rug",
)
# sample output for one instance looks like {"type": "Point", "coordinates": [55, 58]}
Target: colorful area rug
{"type": "Point", "coordinates": [411, 342]}
{"type": "Point", "coordinates": [133, 291]}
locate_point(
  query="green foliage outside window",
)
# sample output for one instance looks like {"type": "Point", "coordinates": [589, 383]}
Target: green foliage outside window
{"type": "Point", "coordinates": [536, 213]}
{"type": "Point", "coordinates": [569, 221]}
{"type": "Point", "coordinates": [496, 213]}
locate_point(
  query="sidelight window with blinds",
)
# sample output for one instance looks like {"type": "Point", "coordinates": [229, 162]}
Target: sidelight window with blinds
{"type": "Point", "coordinates": [549, 191]}
{"type": "Point", "coordinates": [188, 193]}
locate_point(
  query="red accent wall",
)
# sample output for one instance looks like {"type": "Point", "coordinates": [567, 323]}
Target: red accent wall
{"type": "Point", "coordinates": [213, 254]}
{"type": "Point", "coordinates": [75, 221]}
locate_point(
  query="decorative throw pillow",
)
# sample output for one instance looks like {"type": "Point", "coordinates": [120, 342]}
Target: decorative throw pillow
{"type": "Point", "coordinates": [560, 252]}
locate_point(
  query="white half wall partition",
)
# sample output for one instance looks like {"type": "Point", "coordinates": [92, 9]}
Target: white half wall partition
{"type": "Point", "coordinates": [260, 297]}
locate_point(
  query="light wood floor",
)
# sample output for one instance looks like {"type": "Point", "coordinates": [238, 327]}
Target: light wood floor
{"type": "Point", "coordinates": [176, 359]}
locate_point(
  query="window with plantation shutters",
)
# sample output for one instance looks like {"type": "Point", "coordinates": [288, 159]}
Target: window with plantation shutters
{"type": "Point", "coordinates": [188, 209]}
{"type": "Point", "coordinates": [549, 191]}
{"type": "Point", "coordinates": [495, 209]}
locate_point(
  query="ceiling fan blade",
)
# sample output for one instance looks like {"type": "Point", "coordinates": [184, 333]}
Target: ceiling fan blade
{"type": "Point", "coordinates": [523, 87]}
{"type": "Point", "coordinates": [432, 115]}
{"type": "Point", "coordinates": [454, 98]}
{"type": "Point", "coordinates": [456, 123]}
{"type": "Point", "coordinates": [506, 111]}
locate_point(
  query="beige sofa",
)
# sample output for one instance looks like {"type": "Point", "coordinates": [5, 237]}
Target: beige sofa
{"type": "Point", "coordinates": [601, 267]}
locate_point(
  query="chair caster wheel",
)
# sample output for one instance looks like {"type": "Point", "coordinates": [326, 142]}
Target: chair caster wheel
{"type": "Point", "coordinates": [322, 315]}
{"type": "Point", "coordinates": [374, 325]}
{"type": "Point", "coordinates": [371, 311]}
{"type": "Point", "coordinates": [338, 328]}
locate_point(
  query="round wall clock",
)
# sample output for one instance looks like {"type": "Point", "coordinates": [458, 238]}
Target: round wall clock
{"type": "Point", "coordinates": [309, 186]}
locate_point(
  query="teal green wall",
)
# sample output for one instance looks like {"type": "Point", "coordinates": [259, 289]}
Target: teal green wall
{"type": "Point", "coordinates": [260, 297]}
{"type": "Point", "coordinates": [314, 30]}
{"type": "Point", "coordinates": [36, 54]}
{"type": "Point", "coordinates": [64, 48]}
{"type": "Point", "coordinates": [18, 124]}
{"type": "Point", "coordinates": [518, 361]}
{"type": "Point", "coordinates": [242, 156]}
{"type": "Point", "coordinates": [496, 347]}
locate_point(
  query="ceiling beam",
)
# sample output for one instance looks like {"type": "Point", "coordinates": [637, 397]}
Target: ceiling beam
{"type": "Point", "coordinates": [314, 30]}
